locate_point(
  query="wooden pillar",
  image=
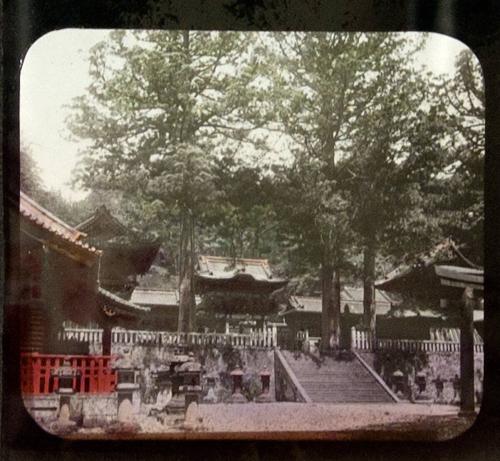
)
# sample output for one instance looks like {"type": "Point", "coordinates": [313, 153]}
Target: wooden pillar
{"type": "Point", "coordinates": [467, 353]}
{"type": "Point", "coordinates": [51, 297]}
{"type": "Point", "coordinates": [106, 340]}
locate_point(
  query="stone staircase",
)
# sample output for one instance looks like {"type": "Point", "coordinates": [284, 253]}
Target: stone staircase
{"type": "Point", "coordinates": [338, 381]}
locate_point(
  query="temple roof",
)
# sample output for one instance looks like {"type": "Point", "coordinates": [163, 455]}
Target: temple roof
{"type": "Point", "coordinates": [155, 297]}
{"type": "Point", "coordinates": [460, 276]}
{"type": "Point", "coordinates": [125, 251]}
{"type": "Point", "coordinates": [62, 232]}
{"type": "Point", "coordinates": [151, 297]}
{"type": "Point", "coordinates": [418, 272]}
{"type": "Point", "coordinates": [217, 268]}
{"type": "Point", "coordinates": [113, 304]}
{"type": "Point", "coordinates": [352, 296]}
{"type": "Point", "coordinates": [102, 222]}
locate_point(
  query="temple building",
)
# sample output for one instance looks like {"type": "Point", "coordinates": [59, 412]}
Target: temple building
{"type": "Point", "coordinates": [236, 294]}
{"type": "Point", "coordinates": [54, 281]}
{"type": "Point", "coordinates": [163, 306]}
{"type": "Point", "coordinates": [304, 312]}
{"type": "Point", "coordinates": [52, 276]}
{"type": "Point", "coordinates": [444, 279]}
{"type": "Point", "coordinates": [415, 284]}
{"type": "Point", "coordinates": [125, 254]}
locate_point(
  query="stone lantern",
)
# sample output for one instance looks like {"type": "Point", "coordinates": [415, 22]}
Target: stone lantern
{"type": "Point", "coordinates": [421, 382]}
{"type": "Point", "coordinates": [237, 377]}
{"type": "Point", "coordinates": [398, 381]}
{"type": "Point", "coordinates": [127, 389]}
{"type": "Point", "coordinates": [186, 378]}
{"type": "Point", "coordinates": [210, 381]}
{"type": "Point", "coordinates": [66, 375]}
{"type": "Point", "coordinates": [191, 376]}
{"type": "Point", "coordinates": [265, 379]}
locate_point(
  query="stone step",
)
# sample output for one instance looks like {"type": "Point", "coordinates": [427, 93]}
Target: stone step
{"type": "Point", "coordinates": [337, 381]}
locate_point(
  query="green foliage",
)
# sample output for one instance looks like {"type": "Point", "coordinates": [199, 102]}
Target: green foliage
{"type": "Point", "coordinates": [462, 203]}
{"type": "Point", "coordinates": [377, 155]}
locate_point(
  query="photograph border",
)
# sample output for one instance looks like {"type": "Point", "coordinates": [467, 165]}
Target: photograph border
{"type": "Point", "coordinates": [25, 21]}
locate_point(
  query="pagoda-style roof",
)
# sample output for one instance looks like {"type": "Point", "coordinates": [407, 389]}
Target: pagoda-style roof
{"type": "Point", "coordinates": [55, 233]}
{"type": "Point", "coordinates": [216, 273]}
{"type": "Point", "coordinates": [125, 252]}
{"type": "Point", "coordinates": [417, 276]}
{"type": "Point", "coordinates": [103, 224]}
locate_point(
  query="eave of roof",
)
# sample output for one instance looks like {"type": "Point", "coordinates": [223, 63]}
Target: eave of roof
{"type": "Point", "coordinates": [44, 219]}
{"type": "Point", "coordinates": [103, 215]}
{"type": "Point", "coordinates": [155, 297]}
{"type": "Point", "coordinates": [444, 251]}
{"type": "Point", "coordinates": [122, 304]}
{"type": "Point", "coordinates": [460, 276]}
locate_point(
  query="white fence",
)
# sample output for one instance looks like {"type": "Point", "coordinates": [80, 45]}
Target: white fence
{"type": "Point", "coordinates": [363, 340]}
{"type": "Point", "coordinates": [83, 335]}
{"type": "Point", "coordinates": [265, 338]}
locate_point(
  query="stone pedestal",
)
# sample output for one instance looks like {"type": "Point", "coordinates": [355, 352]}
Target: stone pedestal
{"type": "Point", "coordinates": [128, 392]}
{"type": "Point", "coordinates": [66, 376]}
{"type": "Point", "coordinates": [192, 420]}
{"type": "Point", "coordinates": [211, 397]}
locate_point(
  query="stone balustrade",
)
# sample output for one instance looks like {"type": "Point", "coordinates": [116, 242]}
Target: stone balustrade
{"type": "Point", "coordinates": [363, 340]}
{"type": "Point", "coordinates": [259, 338]}
{"type": "Point", "coordinates": [288, 387]}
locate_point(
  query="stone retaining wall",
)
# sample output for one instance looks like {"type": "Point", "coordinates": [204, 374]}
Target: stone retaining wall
{"type": "Point", "coordinates": [220, 360]}
{"type": "Point", "coordinates": [433, 364]}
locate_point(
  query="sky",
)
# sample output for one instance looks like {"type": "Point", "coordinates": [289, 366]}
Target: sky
{"type": "Point", "coordinates": [55, 71]}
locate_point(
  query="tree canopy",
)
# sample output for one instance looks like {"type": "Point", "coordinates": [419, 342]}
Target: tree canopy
{"type": "Point", "coordinates": [327, 153]}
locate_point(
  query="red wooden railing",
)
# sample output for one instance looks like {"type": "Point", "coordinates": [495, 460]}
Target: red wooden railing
{"type": "Point", "coordinates": [94, 373]}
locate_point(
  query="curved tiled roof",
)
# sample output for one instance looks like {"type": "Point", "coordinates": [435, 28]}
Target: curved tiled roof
{"type": "Point", "coordinates": [120, 303]}
{"type": "Point", "coordinates": [225, 268]}
{"type": "Point", "coordinates": [443, 253]}
{"type": "Point", "coordinates": [43, 218]}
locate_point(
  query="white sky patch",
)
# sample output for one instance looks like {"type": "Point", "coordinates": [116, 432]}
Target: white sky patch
{"type": "Point", "coordinates": [55, 71]}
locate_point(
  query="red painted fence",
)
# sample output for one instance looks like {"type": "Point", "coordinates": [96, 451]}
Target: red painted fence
{"type": "Point", "coordinates": [95, 375]}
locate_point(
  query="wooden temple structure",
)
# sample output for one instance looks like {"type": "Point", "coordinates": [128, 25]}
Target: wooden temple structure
{"type": "Point", "coordinates": [435, 278]}
{"type": "Point", "coordinates": [237, 293]}
{"type": "Point", "coordinates": [54, 279]}
{"type": "Point", "coordinates": [125, 254]}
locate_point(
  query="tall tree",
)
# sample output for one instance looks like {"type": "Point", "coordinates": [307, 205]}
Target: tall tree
{"type": "Point", "coordinates": [462, 203]}
{"type": "Point", "coordinates": [244, 223]}
{"type": "Point", "coordinates": [159, 101]}
{"type": "Point", "coordinates": [392, 175]}
{"type": "Point", "coordinates": [327, 87]}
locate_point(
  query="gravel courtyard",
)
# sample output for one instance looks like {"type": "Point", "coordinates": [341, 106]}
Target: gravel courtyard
{"type": "Point", "coordinates": [311, 417]}
{"type": "Point", "coordinates": [286, 420]}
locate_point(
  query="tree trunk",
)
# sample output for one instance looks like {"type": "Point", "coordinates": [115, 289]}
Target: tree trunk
{"type": "Point", "coordinates": [330, 307]}
{"type": "Point", "coordinates": [186, 319]}
{"type": "Point", "coordinates": [185, 305]}
{"type": "Point", "coordinates": [369, 305]}
{"type": "Point", "coordinates": [336, 310]}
